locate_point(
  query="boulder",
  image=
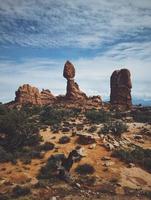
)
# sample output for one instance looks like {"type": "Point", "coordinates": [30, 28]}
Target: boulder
{"type": "Point", "coordinates": [69, 70]}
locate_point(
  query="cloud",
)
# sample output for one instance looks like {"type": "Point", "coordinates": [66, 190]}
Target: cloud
{"type": "Point", "coordinates": [92, 74]}
{"type": "Point", "coordinates": [84, 24]}
{"type": "Point", "coordinates": [116, 32]}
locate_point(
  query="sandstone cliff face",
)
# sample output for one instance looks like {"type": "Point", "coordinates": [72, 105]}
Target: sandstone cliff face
{"type": "Point", "coordinates": [73, 90]}
{"type": "Point", "coordinates": [121, 85]}
{"type": "Point", "coordinates": [28, 94]}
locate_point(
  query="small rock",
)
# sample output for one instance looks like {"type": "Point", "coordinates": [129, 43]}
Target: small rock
{"type": "Point", "coordinates": [78, 185]}
{"type": "Point", "coordinates": [138, 137]}
{"type": "Point", "coordinates": [54, 198]}
{"type": "Point", "coordinates": [116, 144]}
{"type": "Point", "coordinates": [81, 152]}
{"type": "Point", "coordinates": [109, 146]}
{"type": "Point", "coordinates": [92, 146]}
{"type": "Point", "coordinates": [102, 136]}
{"type": "Point", "coordinates": [131, 165]}
{"type": "Point", "coordinates": [108, 163]}
{"type": "Point", "coordinates": [104, 158]}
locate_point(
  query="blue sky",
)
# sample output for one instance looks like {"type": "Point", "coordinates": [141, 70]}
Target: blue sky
{"type": "Point", "coordinates": [98, 36]}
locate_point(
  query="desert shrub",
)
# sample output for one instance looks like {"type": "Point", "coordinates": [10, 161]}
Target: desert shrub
{"type": "Point", "coordinates": [20, 191]}
{"type": "Point", "coordinates": [30, 109]}
{"type": "Point", "coordinates": [85, 169]}
{"type": "Point", "coordinates": [50, 169]}
{"type": "Point", "coordinates": [116, 128]}
{"type": "Point", "coordinates": [35, 154]}
{"type": "Point", "coordinates": [47, 146]}
{"type": "Point", "coordinates": [87, 180]}
{"type": "Point", "coordinates": [3, 109]}
{"type": "Point", "coordinates": [54, 116]}
{"type": "Point", "coordinates": [97, 116]}
{"type": "Point", "coordinates": [85, 140]}
{"type": "Point", "coordinates": [137, 155]}
{"type": "Point", "coordinates": [142, 116]}
{"type": "Point", "coordinates": [64, 140]}
{"type": "Point", "coordinates": [16, 130]}
{"type": "Point", "coordinates": [26, 161]}
{"type": "Point", "coordinates": [5, 156]}
{"type": "Point", "coordinates": [92, 129]}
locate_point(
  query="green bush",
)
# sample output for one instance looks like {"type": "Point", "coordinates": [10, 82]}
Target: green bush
{"type": "Point", "coordinates": [31, 110]}
{"type": "Point", "coordinates": [49, 171]}
{"type": "Point", "coordinates": [142, 116]}
{"type": "Point", "coordinates": [47, 146]}
{"type": "Point", "coordinates": [20, 191]}
{"type": "Point", "coordinates": [64, 140]}
{"type": "Point", "coordinates": [17, 130]}
{"type": "Point", "coordinates": [97, 116]}
{"type": "Point", "coordinates": [54, 116]}
{"type": "Point", "coordinates": [5, 156]}
{"type": "Point", "coordinates": [138, 156]}
{"type": "Point", "coordinates": [85, 169]}
{"type": "Point", "coordinates": [116, 128]}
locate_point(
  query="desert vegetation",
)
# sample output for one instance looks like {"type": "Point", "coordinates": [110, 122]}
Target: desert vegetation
{"type": "Point", "coordinates": [54, 116]}
{"type": "Point", "coordinates": [96, 132]}
{"type": "Point", "coordinates": [137, 156]}
{"type": "Point", "coordinates": [116, 128]}
{"type": "Point", "coordinates": [85, 169]}
{"type": "Point", "coordinates": [97, 116]}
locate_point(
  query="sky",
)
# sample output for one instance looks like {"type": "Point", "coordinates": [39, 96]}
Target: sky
{"type": "Point", "coordinates": [97, 36]}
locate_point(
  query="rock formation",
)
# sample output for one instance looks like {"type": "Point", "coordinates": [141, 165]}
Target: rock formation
{"type": "Point", "coordinates": [28, 94]}
{"type": "Point", "coordinates": [46, 97]}
{"type": "Point", "coordinates": [73, 90]}
{"type": "Point", "coordinates": [120, 84]}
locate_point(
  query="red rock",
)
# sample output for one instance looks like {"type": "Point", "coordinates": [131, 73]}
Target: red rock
{"type": "Point", "coordinates": [28, 94]}
{"type": "Point", "coordinates": [46, 97]}
{"type": "Point", "coordinates": [69, 70]}
{"type": "Point", "coordinates": [121, 85]}
{"type": "Point", "coordinates": [73, 90]}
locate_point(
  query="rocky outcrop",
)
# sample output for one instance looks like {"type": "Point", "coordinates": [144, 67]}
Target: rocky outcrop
{"type": "Point", "coordinates": [46, 97]}
{"type": "Point", "coordinates": [73, 90]}
{"type": "Point", "coordinates": [120, 84]}
{"type": "Point", "coordinates": [27, 94]}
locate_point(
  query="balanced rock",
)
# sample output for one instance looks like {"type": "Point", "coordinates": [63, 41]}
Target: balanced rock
{"type": "Point", "coordinates": [120, 84]}
{"type": "Point", "coordinates": [73, 90]}
{"type": "Point", "coordinates": [69, 70]}
{"type": "Point", "coordinates": [27, 94]}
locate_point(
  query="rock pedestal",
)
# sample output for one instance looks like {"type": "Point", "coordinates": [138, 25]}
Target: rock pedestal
{"type": "Point", "coordinates": [73, 90]}
{"type": "Point", "coordinates": [120, 84]}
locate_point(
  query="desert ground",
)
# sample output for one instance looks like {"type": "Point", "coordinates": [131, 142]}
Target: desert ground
{"type": "Point", "coordinates": [112, 177]}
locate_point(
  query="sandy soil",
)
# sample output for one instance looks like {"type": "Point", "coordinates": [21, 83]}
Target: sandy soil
{"type": "Point", "coordinates": [134, 178]}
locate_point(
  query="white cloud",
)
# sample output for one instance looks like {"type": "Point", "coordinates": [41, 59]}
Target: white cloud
{"type": "Point", "coordinates": [84, 24]}
{"type": "Point", "coordinates": [120, 29]}
{"type": "Point", "coordinates": [92, 74]}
